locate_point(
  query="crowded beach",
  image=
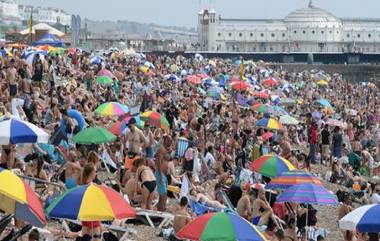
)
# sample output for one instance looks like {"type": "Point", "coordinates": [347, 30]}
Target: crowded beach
{"type": "Point", "coordinates": [121, 145]}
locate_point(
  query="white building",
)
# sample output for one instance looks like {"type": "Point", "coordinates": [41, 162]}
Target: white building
{"type": "Point", "coordinates": [9, 13]}
{"type": "Point", "coordinates": [44, 15]}
{"type": "Point", "coordinates": [309, 29]}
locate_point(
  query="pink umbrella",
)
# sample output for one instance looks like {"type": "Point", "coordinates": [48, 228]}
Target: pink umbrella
{"type": "Point", "coordinates": [106, 72]}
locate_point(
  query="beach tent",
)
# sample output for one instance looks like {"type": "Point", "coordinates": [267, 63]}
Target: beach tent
{"type": "Point", "coordinates": [45, 27]}
{"type": "Point", "coordinates": [49, 39]}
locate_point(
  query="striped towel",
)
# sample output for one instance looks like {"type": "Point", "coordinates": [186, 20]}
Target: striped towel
{"type": "Point", "coordinates": [182, 146]}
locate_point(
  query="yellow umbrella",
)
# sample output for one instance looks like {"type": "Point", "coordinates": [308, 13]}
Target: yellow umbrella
{"type": "Point", "coordinates": [322, 83]}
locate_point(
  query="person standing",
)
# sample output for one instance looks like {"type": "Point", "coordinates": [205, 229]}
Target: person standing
{"type": "Point", "coordinates": [38, 69]}
{"type": "Point", "coordinates": [337, 142]}
{"type": "Point", "coordinates": [313, 140]}
{"type": "Point", "coordinates": [11, 76]}
{"type": "Point", "coordinates": [325, 135]}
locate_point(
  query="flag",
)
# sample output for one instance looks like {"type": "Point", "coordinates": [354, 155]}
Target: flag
{"type": "Point", "coordinates": [30, 23]}
{"type": "Point", "coordinates": [241, 70]}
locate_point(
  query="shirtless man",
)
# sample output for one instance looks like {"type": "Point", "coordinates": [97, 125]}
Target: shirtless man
{"type": "Point", "coordinates": [261, 203]}
{"type": "Point", "coordinates": [181, 217]}
{"type": "Point", "coordinates": [73, 170]}
{"type": "Point", "coordinates": [244, 206]}
{"type": "Point", "coordinates": [12, 79]}
{"type": "Point", "coordinates": [135, 138]}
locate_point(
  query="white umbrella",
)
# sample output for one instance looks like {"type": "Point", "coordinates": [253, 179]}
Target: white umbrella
{"type": "Point", "coordinates": [363, 219]}
{"type": "Point", "coordinates": [14, 131]}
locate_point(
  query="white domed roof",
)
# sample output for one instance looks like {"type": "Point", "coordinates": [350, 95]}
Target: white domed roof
{"type": "Point", "coordinates": [311, 14]}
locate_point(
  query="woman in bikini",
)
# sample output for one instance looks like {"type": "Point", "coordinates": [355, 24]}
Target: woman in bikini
{"type": "Point", "coordinates": [147, 179]}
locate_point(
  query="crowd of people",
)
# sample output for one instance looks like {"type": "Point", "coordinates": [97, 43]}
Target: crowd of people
{"type": "Point", "coordinates": [210, 142]}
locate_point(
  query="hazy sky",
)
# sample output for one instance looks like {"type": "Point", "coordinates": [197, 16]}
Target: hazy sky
{"type": "Point", "coordinates": [184, 12]}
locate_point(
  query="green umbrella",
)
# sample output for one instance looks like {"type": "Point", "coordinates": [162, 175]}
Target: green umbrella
{"type": "Point", "coordinates": [288, 120]}
{"type": "Point", "coordinates": [94, 135]}
{"type": "Point", "coordinates": [104, 80]}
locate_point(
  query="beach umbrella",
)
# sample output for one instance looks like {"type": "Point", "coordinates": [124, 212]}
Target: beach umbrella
{"type": "Point", "coordinates": [104, 80]}
{"type": "Point", "coordinates": [322, 83]}
{"type": "Point", "coordinates": [214, 94]}
{"type": "Point", "coordinates": [18, 198]}
{"type": "Point", "coordinates": [155, 119]}
{"type": "Point", "coordinates": [239, 85]}
{"type": "Point", "coordinates": [324, 103]}
{"type": "Point", "coordinates": [90, 203]}
{"type": "Point", "coordinates": [261, 95]}
{"type": "Point", "coordinates": [30, 55]}
{"type": "Point", "coordinates": [288, 120]}
{"type": "Point", "coordinates": [279, 111]}
{"type": "Point", "coordinates": [269, 123]}
{"type": "Point", "coordinates": [106, 72]}
{"type": "Point", "coordinates": [270, 82]}
{"type": "Point", "coordinates": [57, 51]}
{"type": "Point", "coordinates": [94, 135]}
{"type": "Point", "coordinates": [96, 60]}
{"type": "Point", "coordinates": [288, 179]}
{"type": "Point", "coordinates": [16, 131]}
{"type": "Point", "coordinates": [149, 65]}
{"type": "Point", "coordinates": [171, 77]}
{"type": "Point", "coordinates": [363, 219]}
{"type": "Point", "coordinates": [193, 79]}
{"type": "Point", "coordinates": [263, 108]}
{"type": "Point", "coordinates": [220, 226]}
{"type": "Point", "coordinates": [112, 109]}
{"type": "Point", "coordinates": [308, 193]}
{"type": "Point", "coordinates": [266, 136]}
{"type": "Point", "coordinates": [288, 101]}
{"type": "Point", "coordinates": [334, 122]}
{"type": "Point", "coordinates": [271, 165]}
{"type": "Point", "coordinates": [118, 128]}
{"type": "Point", "coordinates": [316, 115]}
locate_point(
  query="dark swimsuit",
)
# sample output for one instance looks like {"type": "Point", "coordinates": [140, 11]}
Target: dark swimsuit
{"type": "Point", "coordinates": [150, 185]}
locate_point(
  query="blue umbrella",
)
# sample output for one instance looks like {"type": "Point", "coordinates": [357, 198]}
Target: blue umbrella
{"type": "Point", "coordinates": [14, 131]}
{"type": "Point", "coordinates": [363, 219]}
{"type": "Point", "coordinates": [316, 115]}
{"type": "Point", "coordinates": [96, 60]}
{"type": "Point", "coordinates": [30, 55]}
{"type": "Point", "coordinates": [324, 103]}
{"type": "Point", "coordinates": [309, 193]}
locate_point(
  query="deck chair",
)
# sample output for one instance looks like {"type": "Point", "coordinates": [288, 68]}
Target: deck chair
{"type": "Point", "coordinates": [4, 222]}
{"type": "Point", "coordinates": [149, 214]}
{"type": "Point", "coordinates": [13, 236]}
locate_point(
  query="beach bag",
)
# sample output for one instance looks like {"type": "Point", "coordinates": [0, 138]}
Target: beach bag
{"type": "Point", "coordinates": [108, 236]}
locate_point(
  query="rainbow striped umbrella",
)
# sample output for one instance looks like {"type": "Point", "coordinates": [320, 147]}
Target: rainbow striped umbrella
{"type": "Point", "coordinates": [271, 165]}
{"type": "Point", "coordinates": [220, 226]}
{"type": "Point", "coordinates": [155, 119]}
{"type": "Point", "coordinates": [308, 193]}
{"type": "Point", "coordinates": [112, 109]}
{"type": "Point", "coordinates": [288, 179]}
{"type": "Point", "coordinates": [269, 123]}
{"type": "Point", "coordinates": [90, 203]}
{"type": "Point", "coordinates": [17, 198]}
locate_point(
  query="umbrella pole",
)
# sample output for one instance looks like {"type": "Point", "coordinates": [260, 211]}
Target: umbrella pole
{"type": "Point", "coordinates": [307, 214]}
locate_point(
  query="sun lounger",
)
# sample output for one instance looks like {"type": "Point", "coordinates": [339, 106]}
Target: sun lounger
{"type": "Point", "coordinates": [149, 214]}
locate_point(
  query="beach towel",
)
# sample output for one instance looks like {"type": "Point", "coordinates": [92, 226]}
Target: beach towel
{"type": "Point", "coordinates": [185, 188]}
{"type": "Point", "coordinates": [200, 209]}
{"type": "Point", "coordinates": [182, 146]}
